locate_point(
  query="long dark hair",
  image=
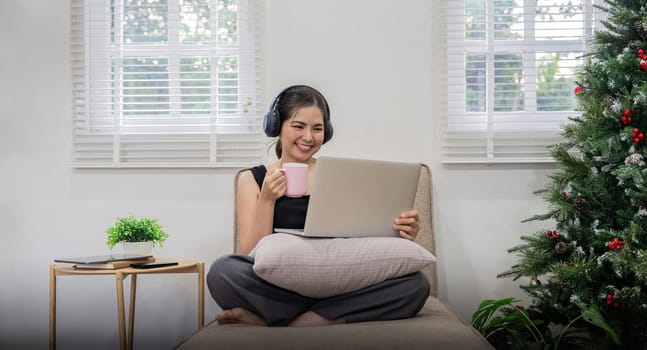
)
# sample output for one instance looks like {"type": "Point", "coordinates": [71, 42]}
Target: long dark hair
{"type": "Point", "coordinates": [294, 98]}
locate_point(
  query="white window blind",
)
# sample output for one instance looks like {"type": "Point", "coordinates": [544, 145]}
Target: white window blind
{"type": "Point", "coordinates": [165, 83]}
{"type": "Point", "coordinates": [510, 73]}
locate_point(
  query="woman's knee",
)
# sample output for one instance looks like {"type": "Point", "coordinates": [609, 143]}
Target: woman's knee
{"type": "Point", "coordinates": [422, 284]}
{"type": "Point", "coordinates": [419, 291]}
{"type": "Point", "coordinates": [224, 271]}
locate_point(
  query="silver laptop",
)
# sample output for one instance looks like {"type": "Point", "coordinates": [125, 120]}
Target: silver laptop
{"type": "Point", "coordinates": [358, 197]}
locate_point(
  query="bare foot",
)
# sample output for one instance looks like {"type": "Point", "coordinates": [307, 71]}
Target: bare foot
{"type": "Point", "coordinates": [239, 315]}
{"type": "Point", "coordinates": [309, 318]}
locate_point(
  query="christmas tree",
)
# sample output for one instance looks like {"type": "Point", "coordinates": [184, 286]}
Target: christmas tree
{"type": "Point", "coordinates": [594, 258]}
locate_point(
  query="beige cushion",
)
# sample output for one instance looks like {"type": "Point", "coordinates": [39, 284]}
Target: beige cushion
{"type": "Point", "coordinates": [323, 267]}
{"type": "Point", "coordinates": [436, 327]}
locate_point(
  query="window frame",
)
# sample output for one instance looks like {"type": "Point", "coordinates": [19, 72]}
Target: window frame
{"type": "Point", "coordinates": [490, 136]}
{"type": "Point", "coordinates": [106, 137]}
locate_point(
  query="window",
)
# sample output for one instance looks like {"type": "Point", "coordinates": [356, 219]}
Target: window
{"type": "Point", "coordinates": [165, 83]}
{"type": "Point", "coordinates": [510, 72]}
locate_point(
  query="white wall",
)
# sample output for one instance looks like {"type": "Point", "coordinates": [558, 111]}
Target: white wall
{"type": "Point", "coordinates": [374, 60]}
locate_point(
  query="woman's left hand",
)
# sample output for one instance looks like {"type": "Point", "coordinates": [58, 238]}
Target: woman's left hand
{"type": "Point", "coordinates": [407, 224]}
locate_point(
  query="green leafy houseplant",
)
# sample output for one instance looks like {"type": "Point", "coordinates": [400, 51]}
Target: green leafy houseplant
{"type": "Point", "coordinates": [132, 229]}
{"type": "Point", "coordinates": [508, 326]}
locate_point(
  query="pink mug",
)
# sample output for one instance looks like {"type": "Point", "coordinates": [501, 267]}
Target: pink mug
{"type": "Point", "coordinates": [296, 175]}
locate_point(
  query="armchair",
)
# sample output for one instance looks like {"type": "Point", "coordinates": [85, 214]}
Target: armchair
{"type": "Point", "coordinates": [435, 327]}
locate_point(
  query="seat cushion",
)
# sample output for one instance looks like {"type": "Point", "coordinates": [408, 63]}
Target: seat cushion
{"type": "Point", "coordinates": [435, 327]}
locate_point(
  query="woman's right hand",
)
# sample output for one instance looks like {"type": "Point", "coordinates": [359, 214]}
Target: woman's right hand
{"type": "Point", "coordinates": [274, 185]}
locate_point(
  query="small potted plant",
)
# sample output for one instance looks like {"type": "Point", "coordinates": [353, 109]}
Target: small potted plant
{"type": "Point", "coordinates": [137, 235]}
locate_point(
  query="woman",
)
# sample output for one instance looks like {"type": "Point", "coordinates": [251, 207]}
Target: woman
{"type": "Point", "coordinates": [300, 117]}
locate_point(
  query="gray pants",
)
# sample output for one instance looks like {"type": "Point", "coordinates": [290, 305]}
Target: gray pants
{"type": "Point", "coordinates": [233, 283]}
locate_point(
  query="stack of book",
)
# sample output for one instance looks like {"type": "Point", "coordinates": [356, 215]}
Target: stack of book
{"type": "Point", "coordinates": [107, 262]}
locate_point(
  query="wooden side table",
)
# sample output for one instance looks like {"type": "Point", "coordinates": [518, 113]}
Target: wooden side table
{"type": "Point", "coordinates": [125, 340]}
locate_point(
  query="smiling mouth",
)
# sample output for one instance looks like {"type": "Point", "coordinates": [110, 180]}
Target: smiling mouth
{"type": "Point", "coordinates": [304, 147]}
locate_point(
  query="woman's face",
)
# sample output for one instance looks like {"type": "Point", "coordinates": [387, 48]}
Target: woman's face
{"type": "Point", "coordinates": [302, 135]}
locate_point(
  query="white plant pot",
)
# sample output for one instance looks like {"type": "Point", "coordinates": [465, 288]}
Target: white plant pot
{"type": "Point", "coordinates": [139, 248]}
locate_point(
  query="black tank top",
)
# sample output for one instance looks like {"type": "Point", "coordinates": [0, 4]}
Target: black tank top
{"type": "Point", "coordinates": [288, 212]}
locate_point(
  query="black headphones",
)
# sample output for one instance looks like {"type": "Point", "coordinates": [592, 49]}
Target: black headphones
{"type": "Point", "coordinates": [272, 120]}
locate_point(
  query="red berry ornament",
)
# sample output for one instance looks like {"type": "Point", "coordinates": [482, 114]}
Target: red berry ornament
{"type": "Point", "coordinates": [626, 117]}
{"type": "Point", "coordinates": [637, 136]}
{"type": "Point", "coordinates": [552, 234]}
{"type": "Point", "coordinates": [578, 90]}
{"type": "Point", "coordinates": [643, 59]}
{"type": "Point", "coordinates": [616, 244]}
{"type": "Point", "coordinates": [611, 300]}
